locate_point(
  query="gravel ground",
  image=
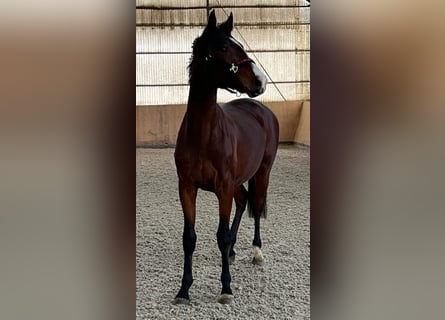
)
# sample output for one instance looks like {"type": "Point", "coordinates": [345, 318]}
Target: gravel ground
{"type": "Point", "coordinates": [277, 290]}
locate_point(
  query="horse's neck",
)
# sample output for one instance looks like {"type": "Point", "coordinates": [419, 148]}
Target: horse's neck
{"type": "Point", "coordinates": [202, 114]}
{"type": "Point", "coordinates": [202, 93]}
{"type": "Point", "coordinates": [201, 106]}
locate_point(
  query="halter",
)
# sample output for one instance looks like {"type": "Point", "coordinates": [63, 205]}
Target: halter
{"type": "Point", "coordinates": [235, 66]}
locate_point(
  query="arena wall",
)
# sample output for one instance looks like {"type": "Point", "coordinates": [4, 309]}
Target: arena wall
{"type": "Point", "coordinates": [159, 125]}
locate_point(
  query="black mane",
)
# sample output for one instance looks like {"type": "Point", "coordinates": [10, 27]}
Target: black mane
{"type": "Point", "coordinates": [194, 59]}
{"type": "Point", "coordinates": [202, 48]}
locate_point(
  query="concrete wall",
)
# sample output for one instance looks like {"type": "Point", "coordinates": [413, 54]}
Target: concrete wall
{"type": "Point", "coordinates": [303, 132]}
{"type": "Point", "coordinates": [159, 125]}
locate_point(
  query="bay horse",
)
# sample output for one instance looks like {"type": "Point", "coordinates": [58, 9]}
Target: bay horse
{"type": "Point", "coordinates": [219, 147]}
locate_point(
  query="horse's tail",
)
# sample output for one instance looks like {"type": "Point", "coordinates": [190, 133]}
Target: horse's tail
{"type": "Point", "coordinates": [250, 200]}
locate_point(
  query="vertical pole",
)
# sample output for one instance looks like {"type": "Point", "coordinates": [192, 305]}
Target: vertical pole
{"type": "Point", "coordinates": [208, 8]}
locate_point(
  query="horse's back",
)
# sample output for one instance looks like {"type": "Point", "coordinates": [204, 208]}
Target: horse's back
{"type": "Point", "coordinates": [258, 130]}
{"type": "Point", "coordinates": [249, 113]}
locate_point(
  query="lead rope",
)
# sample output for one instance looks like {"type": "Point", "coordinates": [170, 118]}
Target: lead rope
{"type": "Point", "coordinates": [238, 94]}
{"type": "Point", "coordinates": [256, 58]}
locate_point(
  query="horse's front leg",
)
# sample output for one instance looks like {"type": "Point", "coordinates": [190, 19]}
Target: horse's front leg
{"type": "Point", "coordinates": [187, 195]}
{"type": "Point", "coordinates": [224, 242]}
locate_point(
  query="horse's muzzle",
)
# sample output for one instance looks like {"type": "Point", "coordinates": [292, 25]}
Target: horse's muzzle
{"type": "Point", "coordinates": [260, 82]}
{"type": "Point", "coordinates": [257, 92]}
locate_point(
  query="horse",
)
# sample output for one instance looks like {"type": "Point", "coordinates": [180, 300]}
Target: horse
{"type": "Point", "coordinates": [220, 147]}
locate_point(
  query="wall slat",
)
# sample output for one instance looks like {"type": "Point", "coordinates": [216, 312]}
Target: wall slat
{"type": "Point", "coordinates": [163, 46]}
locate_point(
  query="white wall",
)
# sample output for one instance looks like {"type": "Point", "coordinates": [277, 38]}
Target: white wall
{"type": "Point", "coordinates": [262, 35]}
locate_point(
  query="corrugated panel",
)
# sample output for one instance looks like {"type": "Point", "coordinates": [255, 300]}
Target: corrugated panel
{"type": "Point", "coordinates": [171, 17]}
{"type": "Point", "coordinates": [291, 91]}
{"type": "Point", "coordinates": [153, 39]}
{"type": "Point", "coordinates": [217, 3]}
{"type": "Point", "coordinates": [257, 3]}
{"type": "Point", "coordinates": [264, 16]}
{"type": "Point", "coordinates": [171, 3]}
{"type": "Point", "coordinates": [254, 17]}
{"type": "Point", "coordinates": [279, 65]}
{"type": "Point", "coordinates": [169, 48]}
{"type": "Point", "coordinates": [277, 38]}
{"type": "Point", "coordinates": [157, 69]}
{"type": "Point", "coordinates": [161, 95]}
{"type": "Point", "coordinates": [179, 95]}
{"type": "Point", "coordinates": [166, 39]}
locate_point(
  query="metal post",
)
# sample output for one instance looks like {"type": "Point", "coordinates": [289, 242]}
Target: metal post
{"type": "Point", "coordinates": [208, 8]}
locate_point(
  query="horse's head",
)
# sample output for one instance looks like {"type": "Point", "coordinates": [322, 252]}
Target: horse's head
{"type": "Point", "coordinates": [224, 60]}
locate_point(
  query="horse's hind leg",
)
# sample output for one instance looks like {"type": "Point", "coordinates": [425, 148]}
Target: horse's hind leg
{"type": "Point", "coordinates": [258, 192]}
{"type": "Point", "coordinates": [240, 197]}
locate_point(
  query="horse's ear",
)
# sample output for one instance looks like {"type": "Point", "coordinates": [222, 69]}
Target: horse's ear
{"type": "Point", "coordinates": [212, 20]}
{"type": "Point", "coordinates": [227, 26]}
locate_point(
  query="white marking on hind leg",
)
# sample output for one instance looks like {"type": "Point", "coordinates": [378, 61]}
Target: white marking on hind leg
{"type": "Point", "coordinates": [258, 257]}
{"type": "Point", "coordinates": [225, 298]}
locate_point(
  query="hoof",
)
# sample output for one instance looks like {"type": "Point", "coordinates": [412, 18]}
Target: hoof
{"type": "Point", "coordinates": [258, 262]}
{"type": "Point", "coordinates": [258, 258]}
{"type": "Point", "coordinates": [225, 298]}
{"type": "Point", "coordinates": [231, 259]}
{"type": "Point", "coordinates": [183, 301]}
